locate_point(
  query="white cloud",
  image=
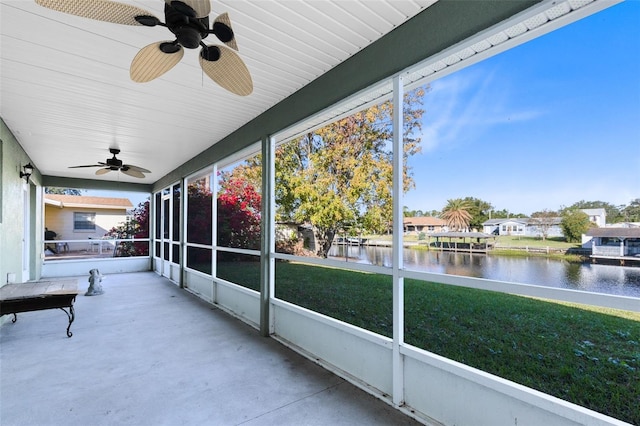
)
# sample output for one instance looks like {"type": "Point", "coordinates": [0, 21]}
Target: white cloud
{"type": "Point", "coordinates": [462, 107]}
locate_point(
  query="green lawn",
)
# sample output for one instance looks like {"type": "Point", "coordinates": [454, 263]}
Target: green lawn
{"type": "Point", "coordinates": [505, 246]}
{"type": "Point", "coordinates": [588, 356]}
{"type": "Point", "coordinates": [515, 241]}
{"type": "Point", "coordinates": [502, 240]}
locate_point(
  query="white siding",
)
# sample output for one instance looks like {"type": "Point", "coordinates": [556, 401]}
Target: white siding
{"type": "Point", "coordinates": [60, 220]}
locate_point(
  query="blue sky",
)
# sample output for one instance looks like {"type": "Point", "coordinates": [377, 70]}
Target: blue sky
{"type": "Point", "coordinates": [546, 124]}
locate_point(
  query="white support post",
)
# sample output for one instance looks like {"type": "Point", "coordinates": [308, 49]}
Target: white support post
{"type": "Point", "coordinates": [398, 281]}
{"type": "Point", "coordinates": [213, 184]}
{"type": "Point", "coordinates": [184, 193]}
{"type": "Point", "coordinates": [267, 263]}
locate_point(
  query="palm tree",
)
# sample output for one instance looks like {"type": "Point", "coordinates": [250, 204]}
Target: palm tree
{"type": "Point", "coordinates": [457, 215]}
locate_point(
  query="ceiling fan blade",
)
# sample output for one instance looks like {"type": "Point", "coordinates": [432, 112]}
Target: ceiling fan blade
{"type": "Point", "coordinates": [101, 10]}
{"type": "Point", "coordinates": [151, 61]}
{"type": "Point", "coordinates": [131, 172]}
{"type": "Point", "coordinates": [136, 168]}
{"type": "Point", "coordinates": [87, 165]}
{"type": "Point", "coordinates": [103, 171]}
{"type": "Point", "coordinates": [201, 7]}
{"type": "Point", "coordinates": [226, 21]}
{"type": "Point", "coordinates": [228, 70]}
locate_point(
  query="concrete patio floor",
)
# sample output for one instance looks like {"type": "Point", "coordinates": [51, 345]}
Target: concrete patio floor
{"type": "Point", "coordinates": [148, 353]}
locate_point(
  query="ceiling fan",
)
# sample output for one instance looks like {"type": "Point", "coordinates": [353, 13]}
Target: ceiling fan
{"type": "Point", "coordinates": [188, 20]}
{"type": "Point", "coordinates": [114, 164]}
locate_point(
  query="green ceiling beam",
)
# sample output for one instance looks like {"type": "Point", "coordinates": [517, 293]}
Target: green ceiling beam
{"type": "Point", "coordinates": [438, 27]}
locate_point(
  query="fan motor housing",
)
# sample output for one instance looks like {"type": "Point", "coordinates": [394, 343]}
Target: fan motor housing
{"type": "Point", "coordinates": [188, 30]}
{"type": "Point", "coordinates": [114, 162]}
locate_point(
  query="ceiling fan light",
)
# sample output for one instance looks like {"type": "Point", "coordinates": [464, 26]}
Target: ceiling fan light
{"type": "Point", "coordinates": [210, 53]}
{"type": "Point", "coordinates": [148, 20]}
{"type": "Point", "coordinates": [199, 8]}
{"type": "Point", "coordinates": [223, 31]}
{"type": "Point", "coordinates": [229, 71]}
{"type": "Point", "coordinates": [188, 37]}
{"type": "Point", "coordinates": [169, 47]}
{"type": "Point", "coordinates": [224, 19]}
{"type": "Point", "coordinates": [183, 8]}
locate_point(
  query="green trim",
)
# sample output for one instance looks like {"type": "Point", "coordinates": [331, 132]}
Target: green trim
{"type": "Point", "coordinates": [66, 182]}
{"type": "Point", "coordinates": [438, 27]}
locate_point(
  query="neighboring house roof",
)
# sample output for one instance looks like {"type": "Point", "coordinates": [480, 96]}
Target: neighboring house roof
{"type": "Point", "coordinates": [532, 221]}
{"type": "Point", "coordinates": [87, 202]}
{"type": "Point", "coordinates": [424, 221]}
{"type": "Point", "coordinates": [623, 225]}
{"type": "Point", "coordinates": [544, 220]}
{"type": "Point", "coordinates": [614, 232]}
{"type": "Point", "coordinates": [594, 212]}
{"type": "Point", "coordinates": [502, 220]}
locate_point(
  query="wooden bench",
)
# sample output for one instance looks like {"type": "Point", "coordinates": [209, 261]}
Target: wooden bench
{"type": "Point", "coordinates": [37, 296]}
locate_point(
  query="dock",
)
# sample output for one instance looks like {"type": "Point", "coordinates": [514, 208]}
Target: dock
{"type": "Point", "coordinates": [622, 260]}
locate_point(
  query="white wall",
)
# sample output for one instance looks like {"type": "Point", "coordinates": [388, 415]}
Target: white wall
{"type": "Point", "coordinates": [240, 302]}
{"type": "Point", "coordinates": [437, 391]}
{"type": "Point", "coordinates": [60, 220]}
{"type": "Point", "coordinates": [347, 350]}
{"type": "Point", "coordinates": [437, 385]}
{"type": "Point", "coordinates": [116, 265]}
{"type": "Point", "coordinates": [12, 158]}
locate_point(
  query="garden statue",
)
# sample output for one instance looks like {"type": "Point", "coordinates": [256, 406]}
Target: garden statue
{"type": "Point", "coordinates": [95, 286]}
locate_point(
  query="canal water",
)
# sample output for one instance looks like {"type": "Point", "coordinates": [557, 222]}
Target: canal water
{"type": "Point", "coordinates": [610, 279]}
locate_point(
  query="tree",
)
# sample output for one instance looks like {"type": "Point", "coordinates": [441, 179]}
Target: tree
{"type": "Point", "coordinates": [544, 220]}
{"type": "Point", "coordinates": [574, 223]}
{"type": "Point", "coordinates": [135, 227]}
{"type": "Point", "coordinates": [631, 213]}
{"type": "Point", "coordinates": [238, 216]}
{"type": "Point", "coordinates": [199, 223]}
{"type": "Point", "coordinates": [62, 191]}
{"type": "Point", "coordinates": [199, 212]}
{"type": "Point", "coordinates": [340, 176]}
{"type": "Point", "coordinates": [505, 214]}
{"type": "Point", "coordinates": [613, 212]}
{"type": "Point", "coordinates": [456, 214]}
{"type": "Point", "coordinates": [479, 211]}
{"type": "Point", "coordinates": [238, 213]}
{"type": "Point", "coordinates": [412, 213]}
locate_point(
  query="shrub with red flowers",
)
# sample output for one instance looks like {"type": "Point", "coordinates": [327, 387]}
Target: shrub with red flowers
{"type": "Point", "coordinates": [199, 212]}
{"type": "Point", "coordinates": [238, 213]}
{"type": "Point", "coordinates": [135, 227]}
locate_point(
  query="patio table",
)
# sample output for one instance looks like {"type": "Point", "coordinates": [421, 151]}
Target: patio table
{"type": "Point", "coordinates": [37, 296]}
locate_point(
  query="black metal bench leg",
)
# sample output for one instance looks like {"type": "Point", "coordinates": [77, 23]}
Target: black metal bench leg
{"type": "Point", "coordinates": [72, 315]}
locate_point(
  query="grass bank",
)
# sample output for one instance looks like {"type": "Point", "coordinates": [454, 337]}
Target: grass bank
{"type": "Point", "coordinates": [587, 356]}
{"type": "Point", "coordinates": [574, 258]}
{"type": "Point", "coordinates": [534, 242]}
{"type": "Point", "coordinates": [508, 245]}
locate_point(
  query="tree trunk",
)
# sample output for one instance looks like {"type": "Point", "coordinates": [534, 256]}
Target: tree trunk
{"type": "Point", "coordinates": [324, 239]}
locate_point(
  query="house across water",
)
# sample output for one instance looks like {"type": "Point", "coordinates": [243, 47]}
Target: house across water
{"type": "Point", "coordinates": [538, 226]}
{"type": "Point", "coordinates": [620, 244]}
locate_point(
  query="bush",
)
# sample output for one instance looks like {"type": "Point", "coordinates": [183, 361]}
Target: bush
{"type": "Point", "coordinates": [574, 223]}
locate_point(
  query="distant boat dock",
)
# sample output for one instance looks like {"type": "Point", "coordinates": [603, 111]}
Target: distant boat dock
{"type": "Point", "coordinates": [472, 242]}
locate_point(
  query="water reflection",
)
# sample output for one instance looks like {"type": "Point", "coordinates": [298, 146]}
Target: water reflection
{"type": "Point", "coordinates": [610, 279]}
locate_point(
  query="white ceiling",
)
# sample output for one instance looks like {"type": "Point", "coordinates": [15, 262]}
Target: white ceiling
{"type": "Point", "coordinates": [66, 94]}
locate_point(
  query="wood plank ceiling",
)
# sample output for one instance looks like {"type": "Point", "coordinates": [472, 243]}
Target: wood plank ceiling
{"type": "Point", "coordinates": [66, 93]}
